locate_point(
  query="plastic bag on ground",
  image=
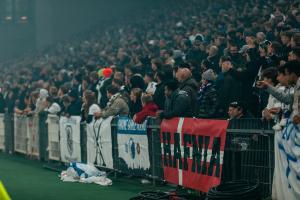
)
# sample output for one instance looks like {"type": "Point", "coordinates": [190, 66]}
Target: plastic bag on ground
{"type": "Point", "coordinates": [84, 173]}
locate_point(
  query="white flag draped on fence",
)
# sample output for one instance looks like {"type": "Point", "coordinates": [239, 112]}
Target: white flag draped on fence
{"type": "Point", "coordinates": [33, 147]}
{"type": "Point", "coordinates": [20, 134]}
{"type": "Point", "coordinates": [133, 144]}
{"type": "Point", "coordinates": [286, 182]}
{"type": "Point", "coordinates": [99, 143]}
{"type": "Point", "coordinates": [70, 139]}
{"type": "Point", "coordinates": [53, 137]}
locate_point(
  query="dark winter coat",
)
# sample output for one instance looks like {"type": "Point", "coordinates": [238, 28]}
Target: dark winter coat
{"type": "Point", "coordinates": [190, 86]}
{"type": "Point", "coordinates": [74, 109]}
{"type": "Point", "coordinates": [207, 102]}
{"type": "Point", "coordinates": [180, 106]}
{"type": "Point", "coordinates": [159, 96]}
{"type": "Point", "coordinates": [248, 77]}
{"type": "Point", "coordinates": [229, 90]}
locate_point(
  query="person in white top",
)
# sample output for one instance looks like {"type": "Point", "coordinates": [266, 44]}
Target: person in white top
{"type": "Point", "coordinates": [151, 85]}
{"type": "Point", "coordinates": [270, 75]}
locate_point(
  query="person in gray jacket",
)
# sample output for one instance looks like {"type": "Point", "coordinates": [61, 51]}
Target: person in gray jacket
{"type": "Point", "coordinates": [117, 104]}
{"type": "Point", "coordinates": [292, 70]}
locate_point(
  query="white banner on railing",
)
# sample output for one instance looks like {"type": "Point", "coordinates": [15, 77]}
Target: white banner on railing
{"type": "Point", "coordinates": [133, 144]}
{"type": "Point", "coordinates": [70, 139]}
{"type": "Point", "coordinates": [53, 137]}
{"type": "Point", "coordinates": [20, 133]}
{"type": "Point", "coordinates": [286, 181]}
{"type": "Point", "coordinates": [99, 143]}
{"type": "Point", "coordinates": [2, 132]}
{"type": "Point", "coordinates": [33, 136]}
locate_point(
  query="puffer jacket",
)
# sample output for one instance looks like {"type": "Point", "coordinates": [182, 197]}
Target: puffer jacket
{"type": "Point", "coordinates": [207, 102]}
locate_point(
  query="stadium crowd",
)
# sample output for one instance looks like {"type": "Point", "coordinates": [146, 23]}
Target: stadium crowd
{"type": "Point", "coordinates": [188, 58]}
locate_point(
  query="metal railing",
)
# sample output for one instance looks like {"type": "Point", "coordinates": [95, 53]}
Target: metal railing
{"type": "Point", "coordinates": [249, 149]}
{"type": "Point", "coordinates": [249, 153]}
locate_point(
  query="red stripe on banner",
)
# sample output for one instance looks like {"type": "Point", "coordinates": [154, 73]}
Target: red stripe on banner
{"type": "Point", "coordinates": [193, 158]}
{"type": "Point", "coordinates": [171, 175]}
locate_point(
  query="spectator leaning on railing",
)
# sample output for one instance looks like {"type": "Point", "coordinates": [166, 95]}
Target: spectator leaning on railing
{"type": "Point", "coordinates": [183, 100]}
{"type": "Point", "coordinates": [116, 105]}
{"type": "Point", "coordinates": [237, 110]}
{"type": "Point", "coordinates": [292, 73]}
{"type": "Point", "coordinates": [51, 106]}
{"type": "Point", "coordinates": [149, 109]}
{"type": "Point", "coordinates": [89, 107]}
{"type": "Point", "coordinates": [270, 76]}
{"type": "Point", "coordinates": [74, 108]}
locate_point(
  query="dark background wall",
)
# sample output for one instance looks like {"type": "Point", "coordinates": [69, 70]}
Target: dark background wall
{"type": "Point", "coordinates": [16, 35]}
{"type": "Point", "coordinates": [49, 21]}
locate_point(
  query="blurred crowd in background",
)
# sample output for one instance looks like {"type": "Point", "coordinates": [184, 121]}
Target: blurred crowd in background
{"type": "Point", "coordinates": [189, 58]}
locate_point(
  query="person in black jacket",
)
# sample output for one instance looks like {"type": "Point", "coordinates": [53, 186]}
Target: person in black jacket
{"type": "Point", "coordinates": [196, 54]}
{"type": "Point", "coordinates": [159, 96]}
{"type": "Point", "coordinates": [2, 103]}
{"type": "Point", "coordinates": [178, 102]}
{"type": "Point", "coordinates": [74, 109]}
{"type": "Point", "coordinates": [213, 59]}
{"type": "Point", "coordinates": [248, 77]}
{"type": "Point", "coordinates": [135, 103]}
{"type": "Point", "coordinates": [228, 88]}
{"type": "Point", "coordinates": [103, 84]}
{"type": "Point", "coordinates": [170, 88]}
{"type": "Point", "coordinates": [190, 86]}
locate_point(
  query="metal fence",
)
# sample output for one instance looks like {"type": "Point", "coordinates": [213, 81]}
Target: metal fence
{"type": "Point", "coordinates": [9, 132]}
{"type": "Point", "coordinates": [52, 127]}
{"type": "Point", "coordinates": [249, 149]}
{"type": "Point", "coordinates": [33, 141]}
{"type": "Point", "coordinates": [20, 134]}
{"type": "Point", "coordinates": [249, 153]}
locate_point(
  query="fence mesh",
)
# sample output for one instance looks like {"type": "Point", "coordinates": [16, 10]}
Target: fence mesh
{"type": "Point", "coordinates": [53, 137]}
{"type": "Point", "coordinates": [9, 132]}
{"type": "Point", "coordinates": [249, 153]}
{"type": "Point", "coordinates": [20, 134]}
{"type": "Point", "coordinates": [33, 146]}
